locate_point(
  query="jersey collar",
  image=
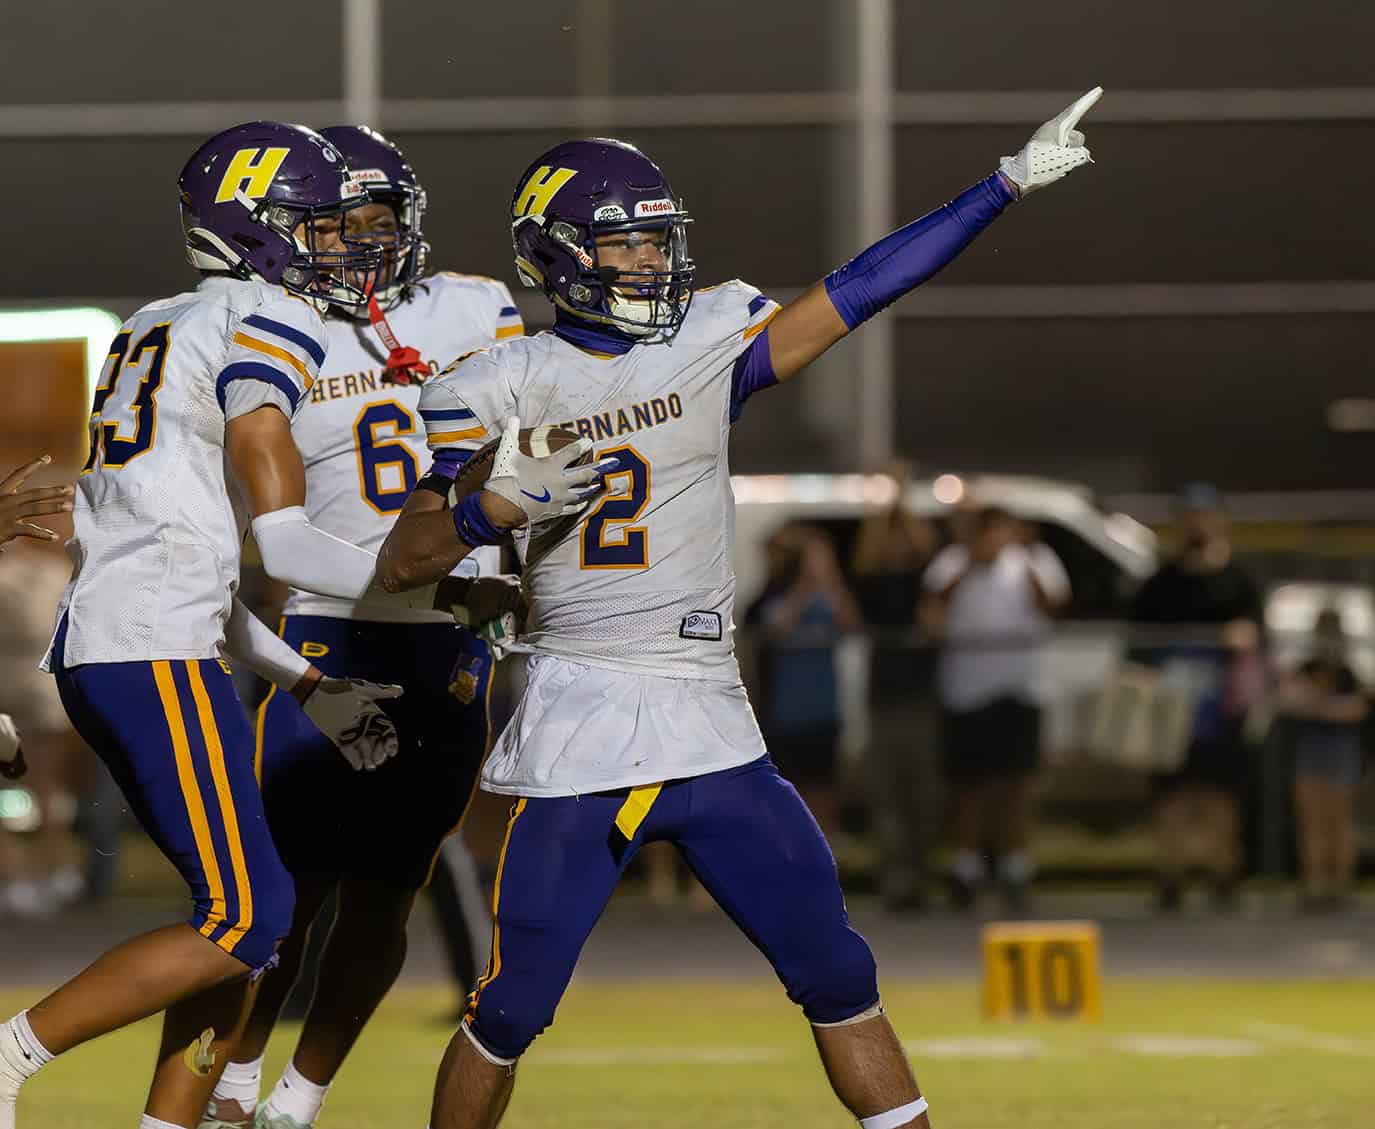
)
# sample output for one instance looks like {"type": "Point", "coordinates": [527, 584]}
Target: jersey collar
{"type": "Point", "coordinates": [598, 340]}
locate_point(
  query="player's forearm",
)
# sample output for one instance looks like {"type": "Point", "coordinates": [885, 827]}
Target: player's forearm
{"type": "Point", "coordinates": [248, 640]}
{"type": "Point", "coordinates": [422, 548]}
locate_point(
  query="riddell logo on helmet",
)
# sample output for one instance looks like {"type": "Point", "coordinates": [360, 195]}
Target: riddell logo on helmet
{"type": "Point", "coordinates": [609, 213]}
{"type": "Point", "coordinates": [368, 176]}
{"type": "Point", "coordinates": [654, 207]}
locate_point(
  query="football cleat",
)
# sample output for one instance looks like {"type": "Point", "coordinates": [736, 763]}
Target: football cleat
{"type": "Point", "coordinates": [225, 1113]}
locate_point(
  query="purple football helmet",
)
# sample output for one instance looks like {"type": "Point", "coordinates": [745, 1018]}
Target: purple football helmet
{"type": "Point", "coordinates": [245, 192]}
{"type": "Point", "coordinates": [382, 171]}
{"type": "Point", "coordinates": [578, 191]}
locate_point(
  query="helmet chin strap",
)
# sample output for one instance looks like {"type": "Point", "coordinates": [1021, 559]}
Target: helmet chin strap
{"type": "Point", "coordinates": [403, 364]}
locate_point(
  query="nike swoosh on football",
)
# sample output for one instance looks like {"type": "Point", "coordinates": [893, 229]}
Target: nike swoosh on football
{"type": "Point", "coordinates": [537, 497]}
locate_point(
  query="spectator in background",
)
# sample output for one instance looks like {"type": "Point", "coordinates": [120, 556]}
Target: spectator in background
{"type": "Point", "coordinates": [804, 606]}
{"type": "Point", "coordinates": [1215, 610]}
{"type": "Point", "coordinates": [991, 602]}
{"type": "Point", "coordinates": [891, 552]}
{"type": "Point", "coordinates": [1325, 707]}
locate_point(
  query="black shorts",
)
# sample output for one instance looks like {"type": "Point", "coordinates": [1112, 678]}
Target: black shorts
{"type": "Point", "coordinates": [1000, 739]}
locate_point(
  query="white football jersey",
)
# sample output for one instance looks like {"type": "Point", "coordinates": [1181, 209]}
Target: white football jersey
{"type": "Point", "coordinates": [159, 518]}
{"type": "Point", "coordinates": [644, 580]}
{"type": "Point", "coordinates": [360, 438]}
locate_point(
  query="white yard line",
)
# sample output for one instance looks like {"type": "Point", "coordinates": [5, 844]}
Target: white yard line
{"type": "Point", "coordinates": [1290, 1035]}
{"type": "Point", "coordinates": [975, 1047]}
{"type": "Point", "coordinates": [1185, 1046]}
{"type": "Point", "coordinates": [661, 1056]}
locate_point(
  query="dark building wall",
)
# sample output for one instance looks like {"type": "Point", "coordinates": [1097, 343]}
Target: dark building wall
{"type": "Point", "coordinates": [1131, 402]}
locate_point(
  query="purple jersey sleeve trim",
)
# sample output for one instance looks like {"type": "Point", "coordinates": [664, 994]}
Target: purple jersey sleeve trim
{"type": "Point", "coordinates": [906, 258]}
{"type": "Point", "coordinates": [753, 371]}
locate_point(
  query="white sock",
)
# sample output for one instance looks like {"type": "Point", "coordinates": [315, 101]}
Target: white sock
{"type": "Point", "coordinates": [241, 1082]}
{"type": "Point", "coordinates": [296, 1096]}
{"type": "Point", "coordinates": [146, 1122]}
{"type": "Point", "coordinates": [969, 866]}
{"type": "Point", "coordinates": [21, 1057]}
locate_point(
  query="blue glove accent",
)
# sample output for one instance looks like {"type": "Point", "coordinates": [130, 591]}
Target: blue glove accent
{"type": "Point", "coordinates": [473, 525]}
{"type": "Point", "coordinates": [753, 371]}
{"type": "Point", "coordinates": [874, 279]}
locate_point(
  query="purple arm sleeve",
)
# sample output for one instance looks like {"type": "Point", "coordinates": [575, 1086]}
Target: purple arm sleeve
{"type": "Point", "coordinates": [898, 262]}
{"type": "Point", "coordinates": [753, 371]}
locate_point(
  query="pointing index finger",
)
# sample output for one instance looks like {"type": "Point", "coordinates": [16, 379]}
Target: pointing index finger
{"type": "Point", "coordinates": [1070, 118]}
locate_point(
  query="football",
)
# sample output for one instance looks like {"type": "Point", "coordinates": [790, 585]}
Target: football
{"type": "Point", "coordinates": [534, 441]}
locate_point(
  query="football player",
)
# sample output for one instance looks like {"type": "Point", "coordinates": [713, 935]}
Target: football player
{"type": "Point", "coordinates": [634, 726]}
{"type": "Point", "coordinates": [190, 433]}
{"type": "Point", "coordinates": [374, 839]}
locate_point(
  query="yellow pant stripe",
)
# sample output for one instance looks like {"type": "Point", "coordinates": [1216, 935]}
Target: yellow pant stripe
{"type": "Point", "coordinates": [494, 961]}
{"type": "Point", "coordinates": [505, 331]}
{"type": "Point", "coordinates": [261, 725]}
{"type": "Point", "coordinates": [210, 731]}
{"type": "Point", "coordinates": [636, 807]}
{"type": "Point", "coordinates": [271, 350]}
{"type": "Point", "coordinates": [191, 793]}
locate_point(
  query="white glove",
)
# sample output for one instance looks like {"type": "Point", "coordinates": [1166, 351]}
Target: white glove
{"type": "Point", "coordinates": [12, 765]}
{"type": "Point", "coordinates": [546, 487]}
{"type": "Point", "coordinates": [1055, 150]}
{"type": "Point", "coordinates": [345, 711]}
{"type": "Point", "coordinates": [499, 634]}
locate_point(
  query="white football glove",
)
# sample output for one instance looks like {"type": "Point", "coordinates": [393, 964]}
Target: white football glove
{"type": "Point", "coordinates": [499, 634]}
{"type": "Point", "coordinates": [546, 487]}
{"type": "Point", "coordinates": [345, 710]}
{"type": "Point", "coordinates": [1055, 150]}
{"type": "Point", "coordinates": [12, 765]}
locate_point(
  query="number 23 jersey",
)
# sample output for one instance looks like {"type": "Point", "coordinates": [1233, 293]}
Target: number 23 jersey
{"type": "Point", "coordinates": [642, 581]}
{"type": "Point", "coordinates": [158, 516]}
{"type": "Point", "coordinates": [361, 439]}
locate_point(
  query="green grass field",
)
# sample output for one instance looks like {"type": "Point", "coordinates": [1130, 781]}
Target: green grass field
{"type": "Point", "coordinates": [658, 1055]}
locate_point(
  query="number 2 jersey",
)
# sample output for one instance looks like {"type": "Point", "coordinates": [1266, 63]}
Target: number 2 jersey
{"type": "Point", "coordinates": [644, 581]}
{"type": "Point", "coordinates": [361, 439]}
{"type": "Point", "coordinates": [158, 515]}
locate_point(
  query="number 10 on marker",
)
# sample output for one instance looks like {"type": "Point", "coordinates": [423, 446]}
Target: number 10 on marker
{"type": "Point", "coordinates": [1044, 969]}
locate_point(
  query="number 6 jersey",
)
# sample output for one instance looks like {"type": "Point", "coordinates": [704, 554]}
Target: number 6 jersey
{"type": "Point", "coordinates": [643, 581]}
{"type": "Point", "coordinates": [158, 516]}
{"type": "Point", "coordinates": [361, 439]}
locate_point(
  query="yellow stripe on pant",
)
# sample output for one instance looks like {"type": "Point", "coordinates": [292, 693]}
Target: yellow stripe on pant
{"type": "Point", "coordinates": [494, 961]}
{"type": "Point", "coordinates": [191, 793]}
{"type": "Point", "coordinates": [215, 751]}
{"type": "Point", "coordinates": [636, 808]}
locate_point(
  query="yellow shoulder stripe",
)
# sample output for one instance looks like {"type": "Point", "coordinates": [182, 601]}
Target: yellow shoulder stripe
{"type": "Point", "coordinates": [457, 436]}
{"type": "Point", "coordinates": [759, 327]}
{"type": "Point", "coordinates": [267, 348]}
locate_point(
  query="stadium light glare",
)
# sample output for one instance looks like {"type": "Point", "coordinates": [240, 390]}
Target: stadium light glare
{"type": "Point", "coordinates": [96, 327]}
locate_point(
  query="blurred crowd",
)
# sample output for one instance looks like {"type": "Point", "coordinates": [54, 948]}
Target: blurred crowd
{"type": "Point", "coordinates": [903, 673]}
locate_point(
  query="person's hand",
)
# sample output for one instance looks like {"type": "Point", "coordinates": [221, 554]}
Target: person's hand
{"type": "Point", "coordinates": [17, 506]}
{"type": "Point", "coordinates": [1055, 150]}
{"type": "Point", "coordinates": [529, 489]}
{"type": "Point", "coordinates": [346, 711]}
{"type": "Point", "coordinates": [488, 598]}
